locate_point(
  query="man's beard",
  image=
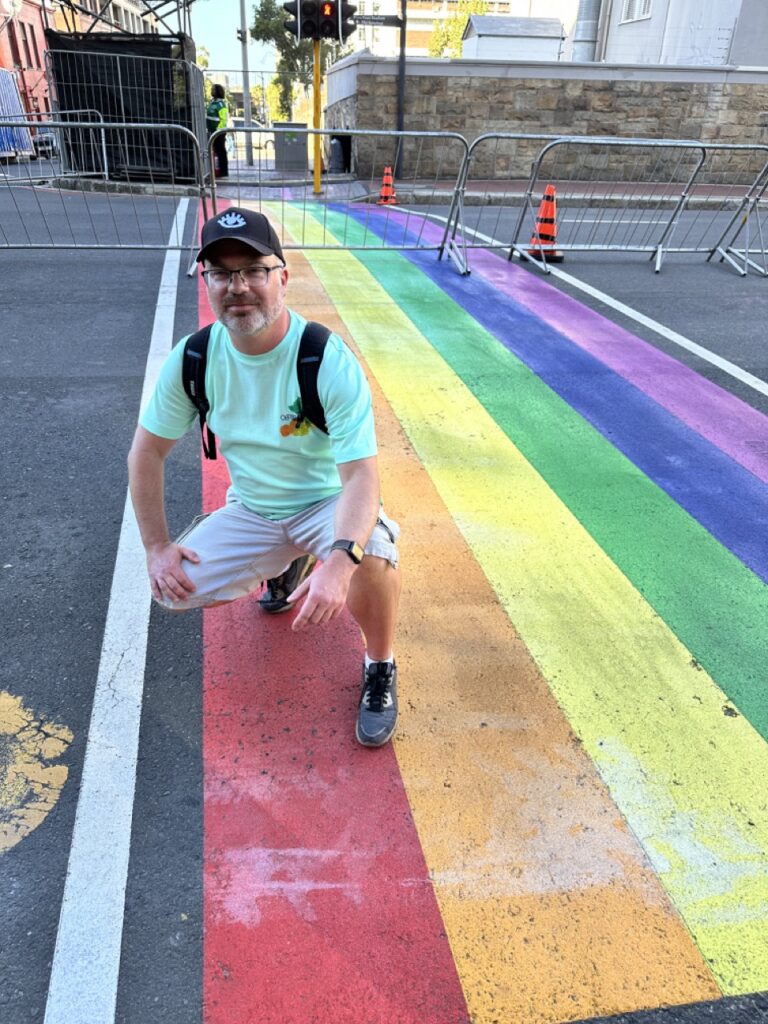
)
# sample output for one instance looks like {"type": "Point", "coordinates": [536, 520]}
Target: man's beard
{"type": "Point", "coordinates": [251, 323]}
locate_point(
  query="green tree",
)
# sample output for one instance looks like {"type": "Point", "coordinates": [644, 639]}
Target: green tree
{"type": "Point", "coordinates": [446, 35]}
{"type": "Point", "coordinates": [273, 100]}
{"type": "Point", "coordinates": [259, 103]}
{"type": "Point", "coordinates": [294, 61]}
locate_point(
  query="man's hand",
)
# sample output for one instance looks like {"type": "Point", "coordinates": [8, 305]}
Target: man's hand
{"type": "Point", "coordinates": [166, 576]}
{"type": "Point", "coordinates": [324, 592]}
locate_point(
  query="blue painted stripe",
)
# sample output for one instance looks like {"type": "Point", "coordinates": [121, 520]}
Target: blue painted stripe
{"type": "Point", "coordinates": [726, 499]}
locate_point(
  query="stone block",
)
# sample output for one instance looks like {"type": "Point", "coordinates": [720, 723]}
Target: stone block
{"type": "Point", "coordinates": [603, 100]}
{"type": "Point", "coordinates": [495, 92]}
{"type": "Point", "coordinates": [547, 99]}
{"type": "Point", "coordinates": [524, 101]}
{"type": "Point", "coordinates": [746, 102]}
{"type": "Point", "coordinates": [437, 86]}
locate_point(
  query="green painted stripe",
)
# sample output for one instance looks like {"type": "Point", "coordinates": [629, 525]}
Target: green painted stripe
{"type": "Point", "coordinates": [689, 778]}
{"type": "Point", "coordinates": [715, 605]}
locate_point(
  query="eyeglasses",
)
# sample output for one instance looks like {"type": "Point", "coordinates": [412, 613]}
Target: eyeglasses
{"type": "Point", "coordinates": [254, 277]}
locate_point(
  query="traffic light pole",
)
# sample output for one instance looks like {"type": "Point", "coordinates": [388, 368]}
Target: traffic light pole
{"type": "Point", "coordinates": [401, 85]}
{"type": "Point", "coordinates": [316, 118]}
{"type": "Point", "coordinates": [246, 86]}
{"type": "Point", "coordinates": [316, 20]}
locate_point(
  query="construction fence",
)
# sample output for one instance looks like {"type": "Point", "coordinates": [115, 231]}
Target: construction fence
{"type": "Point", "coordinates": [114, 184]}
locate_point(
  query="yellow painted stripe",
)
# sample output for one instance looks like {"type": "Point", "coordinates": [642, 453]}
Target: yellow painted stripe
{"type": "Point", "coordinates": [551, 909]}
{"type": "Point", "coordinates": [686, 771]}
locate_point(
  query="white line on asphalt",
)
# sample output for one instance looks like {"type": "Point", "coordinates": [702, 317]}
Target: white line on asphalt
{"type": "Point", "coordinates": [611, 223]}
{"type": "Point", "coordinates": [86, 962]}
{"type": "Point", "coordinates": [666, 332]}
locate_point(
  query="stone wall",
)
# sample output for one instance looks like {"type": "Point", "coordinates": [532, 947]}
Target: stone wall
{"type": "Point", "coordinates": [725, 105]}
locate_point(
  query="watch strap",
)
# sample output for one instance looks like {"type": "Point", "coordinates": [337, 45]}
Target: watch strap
{"type": "Point", "coordinates": [352, 548]}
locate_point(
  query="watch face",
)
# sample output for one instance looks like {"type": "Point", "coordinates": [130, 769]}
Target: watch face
{"type": "Point", "coordinates": [352, 548]}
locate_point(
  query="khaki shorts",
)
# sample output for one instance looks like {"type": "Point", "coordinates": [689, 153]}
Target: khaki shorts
{"type": "Point", "coordinates": [239, 549]}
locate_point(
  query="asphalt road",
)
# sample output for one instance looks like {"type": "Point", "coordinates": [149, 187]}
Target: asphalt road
{"type": "Point", "coordinates": [76, 328]}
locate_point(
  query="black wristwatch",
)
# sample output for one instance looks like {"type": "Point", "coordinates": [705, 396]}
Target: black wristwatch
{"type": "Point", "coordinates": [352, 548]}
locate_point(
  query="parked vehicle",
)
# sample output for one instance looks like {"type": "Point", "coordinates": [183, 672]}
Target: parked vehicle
{"type": "Point", "coordinates": [46, 143]}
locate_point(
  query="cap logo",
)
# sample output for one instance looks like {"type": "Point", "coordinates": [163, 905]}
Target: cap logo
{"type": "Point", "coordinates": [232, 220]}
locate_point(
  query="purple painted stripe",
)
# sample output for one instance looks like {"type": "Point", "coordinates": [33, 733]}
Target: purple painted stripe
{"type": "Point", "coordinates": [715, 414]}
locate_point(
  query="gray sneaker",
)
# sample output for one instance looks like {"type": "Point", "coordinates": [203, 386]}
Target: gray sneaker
{"type": "Point", "coordinates": [377, 711]}
{"type": "Point", "coordinates": [275, 596]}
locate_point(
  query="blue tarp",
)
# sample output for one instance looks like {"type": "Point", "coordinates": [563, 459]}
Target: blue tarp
{"type": "Point", "coordinates": [13, 141]}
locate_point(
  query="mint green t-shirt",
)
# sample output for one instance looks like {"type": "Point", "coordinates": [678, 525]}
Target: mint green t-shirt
{"type": "Point", "coordinates": [276, 469]}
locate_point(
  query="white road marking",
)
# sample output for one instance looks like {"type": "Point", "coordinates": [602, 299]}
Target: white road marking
{"type": "Point", "coordinates": [84, 974]}
{"type": "Point", "coordinates": [666, 332]}
{"type": "Point", "coordinates": [611, 223]}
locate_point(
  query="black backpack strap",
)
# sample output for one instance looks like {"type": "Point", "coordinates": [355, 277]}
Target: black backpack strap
{"type": "Point", "coordinates": [311, 348]}
{"type": "Point", "coordinates": [193, 378]}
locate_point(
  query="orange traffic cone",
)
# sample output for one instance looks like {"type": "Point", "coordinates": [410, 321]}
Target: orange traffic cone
{"type": "Point", "coordinates": [545, 230]}
{"type": "Point", "coordinates": [387, 195]}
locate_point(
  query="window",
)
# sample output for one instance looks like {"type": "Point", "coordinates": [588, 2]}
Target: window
{"type": "Point", "coordinates": [35, 49]}
{"type": "Point", "coordinates": [15, 55]}
{"type": "Point", "coordinates": [24, 33]}
{"type": "Point", "coordinates": [634, 10]}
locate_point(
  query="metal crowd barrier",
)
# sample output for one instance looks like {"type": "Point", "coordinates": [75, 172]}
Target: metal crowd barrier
{"type": "Point", "coordinates": [112, 186]}
{"type": "Point", "coordinates": [128, 88]}
{"type": "Point", "coordinates": [275, 167]}
{"type": "Point", "coordinates": [47, 119]}
{"type": "Point", "coordinates": [616, 195]}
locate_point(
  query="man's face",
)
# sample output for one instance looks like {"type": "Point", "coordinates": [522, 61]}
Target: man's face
{"type": "Point", "coordinates": [246, 309]}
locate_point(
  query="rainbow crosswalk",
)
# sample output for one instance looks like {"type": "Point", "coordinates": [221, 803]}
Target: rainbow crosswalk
{"type": "Point", "coordinates": [573, 821]}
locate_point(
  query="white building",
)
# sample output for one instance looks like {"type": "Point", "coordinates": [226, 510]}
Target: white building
{"type": "Point", "coordinates": [681, 31]}
{"type": "Point", "coordinates": [495, 38]}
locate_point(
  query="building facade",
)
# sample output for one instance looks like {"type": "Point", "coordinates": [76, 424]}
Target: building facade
{"type": "Point", "coordinates": [22, 36]}
{"type": "Point", "coordinates": [684, 32]}
{"type": "Point", "coordinates": [22, 49]}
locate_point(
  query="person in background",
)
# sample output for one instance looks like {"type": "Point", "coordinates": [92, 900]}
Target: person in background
{"type": "Point", "coordinates": [216, 117]}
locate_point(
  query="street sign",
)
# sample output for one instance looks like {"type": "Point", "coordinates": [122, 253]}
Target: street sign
{"type": "Point", "coordinates": [379, 19]}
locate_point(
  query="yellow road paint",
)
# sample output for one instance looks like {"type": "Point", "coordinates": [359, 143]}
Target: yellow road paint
{"type": "Point", "coordinates": [550, 905]}
{"type": "Point", "coordinates": [29, 783]}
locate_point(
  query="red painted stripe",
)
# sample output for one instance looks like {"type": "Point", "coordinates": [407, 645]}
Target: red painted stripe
{"type": "Point", "coordinates": [318, 905]}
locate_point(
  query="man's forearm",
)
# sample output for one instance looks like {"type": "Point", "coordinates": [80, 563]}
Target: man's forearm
{"type": "Point", "coordinates": [146, 477]}
{"type": "Point", "coordinates": [358, 505]}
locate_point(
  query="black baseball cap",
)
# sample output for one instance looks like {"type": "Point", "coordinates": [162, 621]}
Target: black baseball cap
{"type": "Point", "coordinates": [245, 226]}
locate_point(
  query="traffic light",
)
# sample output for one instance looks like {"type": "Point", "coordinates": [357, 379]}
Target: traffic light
{"type": "Point", "coordinates": [241, 35]}
{"type": "Point", "coordinates": [308, 15]}
{"type": "Point", "coordinates": [294, 25]}
{"type": "Point", "coordinates": [320, 19]}
{"type": "Point", "coordinates": [346, 20]}
{"type": "Point", "coordinates": [328, 22]}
